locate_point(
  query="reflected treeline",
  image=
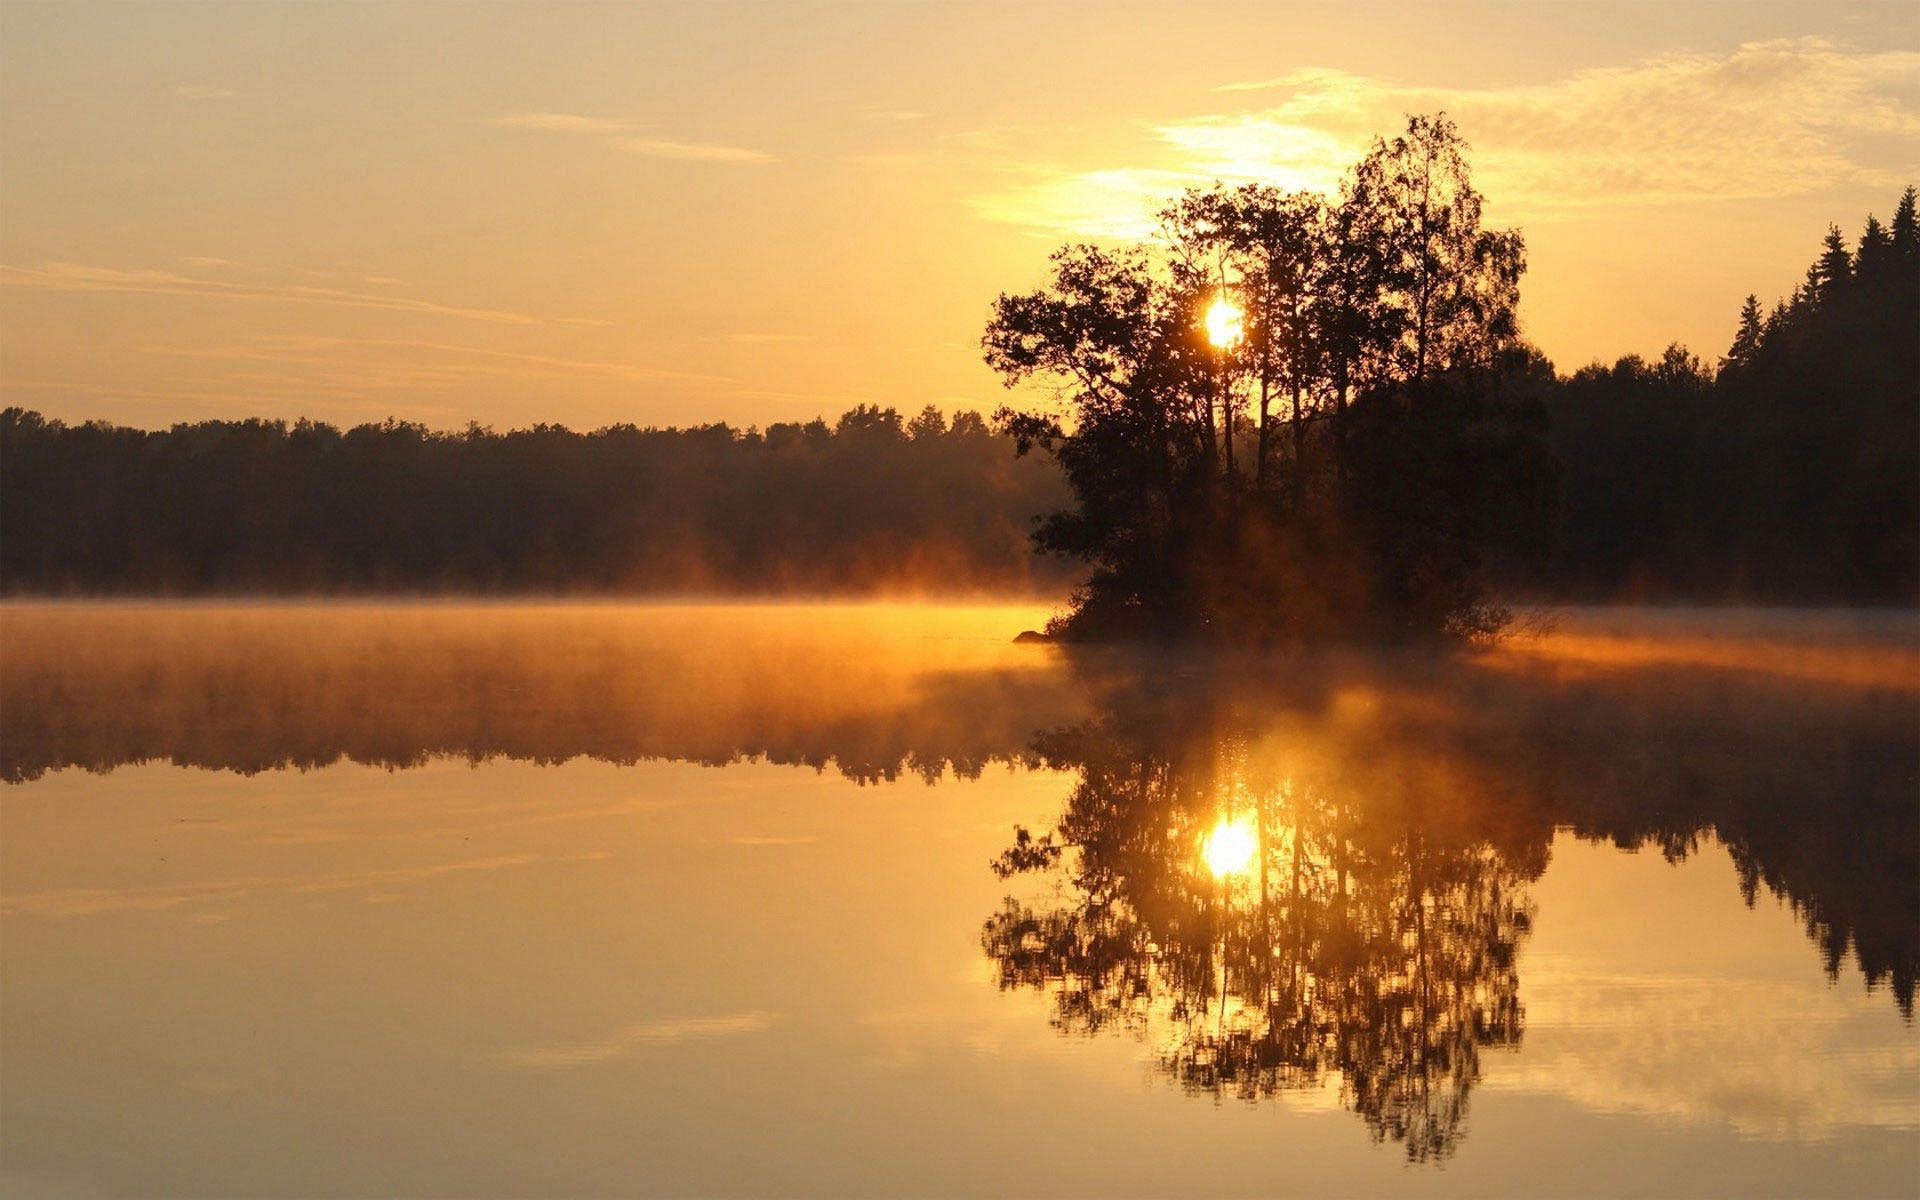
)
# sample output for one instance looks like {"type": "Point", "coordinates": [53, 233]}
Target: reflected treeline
{"type": "Point", "coordinates": [1323, 883]}
{"type": "Point", "coordinates": [862, 690]}
{"type": "Point", "coordinates": [1395, 776]}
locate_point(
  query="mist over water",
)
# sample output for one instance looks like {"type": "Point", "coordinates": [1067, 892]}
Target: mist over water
{"type": "Point", "coordinates": [467, 894]}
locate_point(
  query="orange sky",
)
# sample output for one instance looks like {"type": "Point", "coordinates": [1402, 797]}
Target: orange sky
{"type": "Point", "coordinates": [675, 213]}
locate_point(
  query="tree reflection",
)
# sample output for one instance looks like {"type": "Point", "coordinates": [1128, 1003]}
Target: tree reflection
{"type": "Point", "coordinates": [1798, 759]}
{"type": "Point", "coordinates": [1267, 931]}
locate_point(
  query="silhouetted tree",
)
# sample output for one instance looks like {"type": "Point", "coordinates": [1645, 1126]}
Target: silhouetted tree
{"type": "Point", "coordinates": [1793, 475]}
{"type": "Point", "coordinates": [1387, 315]}
{"type": "Point", "coordinates": [1746, 339]}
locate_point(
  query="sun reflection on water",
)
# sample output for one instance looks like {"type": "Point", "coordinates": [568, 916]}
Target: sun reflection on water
{"type": "Point", "coordinates": [1229, 848]}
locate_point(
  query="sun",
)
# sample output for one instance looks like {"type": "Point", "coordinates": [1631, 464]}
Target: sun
{"type": "Point", "coordinates": [1230, 846]}
{"type": "Point", "coordinates": [1223, 322]}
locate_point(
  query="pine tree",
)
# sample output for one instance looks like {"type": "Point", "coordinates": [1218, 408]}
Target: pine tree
{"type": "Point", "coordinates": [1875, 258]}
{"type": "Point", "coordinates": [1833, 271]}
{"type": "Point", "coordinates": [1746, 341]}
{"type": "Point", "coordinates": [1906, 232]}
{"type": "Point", "coordinates": [1776, 323]}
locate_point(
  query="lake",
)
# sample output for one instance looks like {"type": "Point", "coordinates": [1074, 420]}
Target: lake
{"type": "Point", "coordinates": [438, 899]}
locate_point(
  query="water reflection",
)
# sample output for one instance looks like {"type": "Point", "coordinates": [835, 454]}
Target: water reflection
{"type": "Point", "coordinates": [1308, 876]}
{"type": "Point", "coordinates": [1319, 879]}
{"type": "Point", "coordinates": [871, 691]}
{"type": "Point", "coordinates": [1267, 929]}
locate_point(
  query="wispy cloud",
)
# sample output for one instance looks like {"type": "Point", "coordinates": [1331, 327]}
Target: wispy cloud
{"type": "Point", "coordinates": [1769, 119]}
{"type": "Point", "coordinates": [631, 1039]}
{"type": "Point", "coordinates": [995, 137]}
{"type": "Point", "coordinates": [755, 339]}
{"type": "Point", "coordinates": [818, 400]}
{"type": "Point", "coordinates": [616, 133]}
{"type": "Point", "coordinates": [401, 364]}
{"type": "Point", "coordinates": [896, 115]}
{"type": "Point", "coordinates": [75, 277]}
{"type": "Point", "coordinates": [1113, 203]}
{"type": "Point", "coordinates": [214, 263]}
{"type": "Point", "coordinates": [649, 147]}
{"type": "Point", "coordinates": [563, 123]}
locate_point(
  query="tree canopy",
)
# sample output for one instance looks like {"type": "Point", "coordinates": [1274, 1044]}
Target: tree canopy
{"type": "Point", "coordinates": [1291, 417]}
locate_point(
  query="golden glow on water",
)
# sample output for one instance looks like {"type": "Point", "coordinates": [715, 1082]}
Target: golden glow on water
{"type": "Point", "coordinates": [581, 871]}
{"type": "Point", "coordinates": [1231, 846]}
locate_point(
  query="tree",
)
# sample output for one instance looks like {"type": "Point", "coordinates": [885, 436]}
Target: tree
{"type": "Point", "coordinates": [1270, 241]}
{"type": "Point", "coordinates": [1834, 268]}
{"type": "Point", "coordinates": [1387, 316]}
{"type": "Point", "coordinates": [1453, 285]}
{"type": "Point", "coordinates": [1905, 229]}
{"type": "Point", "coordinates": [928, 426]}
{"type": "Point", "coordinates": [1875, 261]}
{"type": "Point", "coordinates": [1746, 340]}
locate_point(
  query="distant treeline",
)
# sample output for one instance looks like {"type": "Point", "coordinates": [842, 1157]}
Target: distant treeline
{"type": "Point", "coordinates": [871, 503]}
{"type": "Point", "coordinates": [1788, 472]}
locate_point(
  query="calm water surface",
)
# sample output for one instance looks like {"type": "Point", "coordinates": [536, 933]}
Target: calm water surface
{"type": "Point", "coordinates": [574, 900]}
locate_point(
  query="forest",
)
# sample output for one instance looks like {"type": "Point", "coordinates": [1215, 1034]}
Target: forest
{"type": "Point", "coordinates": [1784, 471]}
{"type": "Point", "coordinates": [872, 503]}
{"type": "Point", "coordinates": [1787, 471]}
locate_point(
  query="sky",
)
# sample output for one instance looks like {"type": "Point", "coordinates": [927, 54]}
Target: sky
{"type": "Point", "coordinates": [663, 214]}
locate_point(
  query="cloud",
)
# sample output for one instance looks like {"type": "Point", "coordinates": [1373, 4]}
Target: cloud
{"type": "Point", "coordinates": [691, 151]}
{"type": "Point", "coordinates": [630, 1039]}
{"type": "Point", "coordinates": [1118, 203]}
{"type": "Point", "coordinates": [890, 160]}
{"type": "Point", "coordinates": [820, 400]}
{"type": "Point", "coordinates": [767, 840]}
{"type": "Point", "coordinates": [1293, 156]}
{"type": "Point", "coordinates": [229, 264]}
{"type": "Point", "coordinates": [401, 364]}
{"type": "Point", "coordinates": [646, 147]}
{"type": "Point", "coordinates": [563, 123]}
{"type": "Point", "coordinates": [993, 137]}
{"type": "Point", "coordinates": [202, 91]}
{"type": "Point", "coordinates": [894, 115]}
{"type": "Point", "coordinates": [74, 277]}
{"type": "Point", "coordinates": [1769, 119]}
{"type": "Point", "coordinates": [757, 339]}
